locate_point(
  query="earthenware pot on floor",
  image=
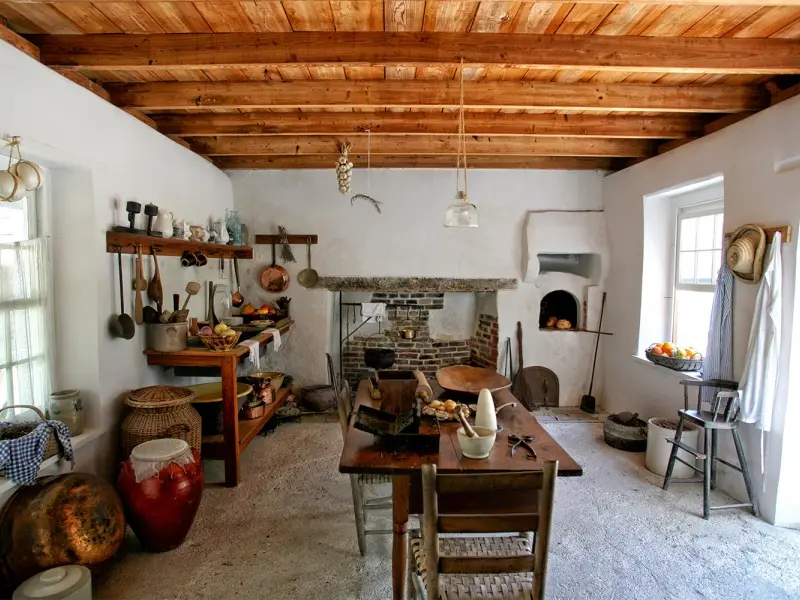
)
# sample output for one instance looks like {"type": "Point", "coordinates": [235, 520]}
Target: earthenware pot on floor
{"type": "Point", "coordinates": [161, 485]}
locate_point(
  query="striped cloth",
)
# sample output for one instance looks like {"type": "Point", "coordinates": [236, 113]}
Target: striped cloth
{"type": "Point", "coordinates": [718, 361]}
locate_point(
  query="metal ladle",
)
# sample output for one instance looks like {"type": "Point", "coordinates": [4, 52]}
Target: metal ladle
{"type": "Point", "coordinates": [122, 326]}
{"type": "Point", "coordinates": [308, 277]}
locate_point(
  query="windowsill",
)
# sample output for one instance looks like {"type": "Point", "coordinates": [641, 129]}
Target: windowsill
{"type": "Point", "coordinates": [665, 370]}
{"type": "Point", "coordinates": [77, 442]}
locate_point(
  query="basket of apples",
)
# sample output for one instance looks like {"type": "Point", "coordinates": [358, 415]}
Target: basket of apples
{"type": "Point", "coordinates": [674, 357]}
{"type": "Point", "coordinates": [221, 339]}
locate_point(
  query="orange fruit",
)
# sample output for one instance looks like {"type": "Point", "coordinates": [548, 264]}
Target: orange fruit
{"type": "Point", "coordinates": [657, 350]}
{"type": "Point", "coordinates": [667, 348]}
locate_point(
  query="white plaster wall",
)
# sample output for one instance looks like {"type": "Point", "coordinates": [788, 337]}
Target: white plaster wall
{"type": "Point", "coordinates": [98, 153]}
{"type": "Point", "coordinates": [409, 239]}
{"type": "Point", "coordinates": [744, 154]}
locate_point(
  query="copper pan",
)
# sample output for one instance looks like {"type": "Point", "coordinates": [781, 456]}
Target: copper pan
{"type": "Point", "coordinates": [274, 278]}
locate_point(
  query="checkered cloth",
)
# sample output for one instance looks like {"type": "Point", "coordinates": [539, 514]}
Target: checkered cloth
{"type": "Point", "coordinates": [21, 458]}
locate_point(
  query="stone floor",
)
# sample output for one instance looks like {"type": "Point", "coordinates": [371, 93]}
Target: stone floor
{"type": "Point", "coordinates": [287, 532]}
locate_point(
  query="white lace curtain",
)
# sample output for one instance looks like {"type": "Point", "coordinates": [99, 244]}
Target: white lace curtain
{"type": "Point", "coordinates": [24, 335]}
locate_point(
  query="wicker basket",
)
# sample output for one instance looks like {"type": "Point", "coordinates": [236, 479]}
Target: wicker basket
{"type": "Point", "coordinates": [220, 343]}
{"type": "Point", "coordinates": [676, 364]}
{"type": "Point", "coordinates": [52, 447]}
{"type": "Point", "coordinates": [157, 412]}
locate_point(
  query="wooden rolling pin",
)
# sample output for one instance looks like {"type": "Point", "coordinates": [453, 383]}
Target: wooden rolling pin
{"type": "Point", "coordinates": [423, 391]}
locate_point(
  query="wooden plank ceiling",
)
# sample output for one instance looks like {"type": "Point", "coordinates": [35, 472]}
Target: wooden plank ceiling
{"type": "Point", "coordinates": [565, 85]}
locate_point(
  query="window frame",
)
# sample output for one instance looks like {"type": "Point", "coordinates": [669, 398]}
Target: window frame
{"type": "Point", "coordinates": [38, 218]}
{"type": "Point", "coordinates": [711, 206]}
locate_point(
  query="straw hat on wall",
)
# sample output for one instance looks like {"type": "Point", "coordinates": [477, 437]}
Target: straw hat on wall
{"type": "Point", "coordinates": [745, 254]}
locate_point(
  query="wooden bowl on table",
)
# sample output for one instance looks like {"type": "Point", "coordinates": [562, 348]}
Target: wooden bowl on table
{"type": "Point", "coordinates": [463, 378]}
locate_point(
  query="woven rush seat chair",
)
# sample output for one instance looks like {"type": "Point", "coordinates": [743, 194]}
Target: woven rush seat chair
{"type": "Point", "coordinates": [359, 484]}
{"type": "Point", "coordinates": [511, 566]}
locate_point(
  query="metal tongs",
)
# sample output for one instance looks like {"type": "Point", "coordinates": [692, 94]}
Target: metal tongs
{"type": "Point", "coordinates": [515, 440]}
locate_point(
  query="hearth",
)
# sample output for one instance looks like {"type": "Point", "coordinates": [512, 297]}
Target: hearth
{"type": "Point", "coordinates": [445, 322]}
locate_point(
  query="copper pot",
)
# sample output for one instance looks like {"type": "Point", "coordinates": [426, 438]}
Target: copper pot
{"type": "Point", "coordinates": [76, 518]}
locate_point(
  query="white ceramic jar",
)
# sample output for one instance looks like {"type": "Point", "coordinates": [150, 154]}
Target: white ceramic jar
{"type": "Point", "coordinates": [70, 582]}
{"type": "Point", "coordinates": [67, 406]}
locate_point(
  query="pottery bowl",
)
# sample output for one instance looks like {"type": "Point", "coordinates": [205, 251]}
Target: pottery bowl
{"type": "Point", "coordinates": [479, 446]}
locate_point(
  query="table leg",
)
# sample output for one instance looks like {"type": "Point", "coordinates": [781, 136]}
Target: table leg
{"type": "Point", "coordinates": [401, 485]}
{"type": "Point", "coordinates": [230, 422]}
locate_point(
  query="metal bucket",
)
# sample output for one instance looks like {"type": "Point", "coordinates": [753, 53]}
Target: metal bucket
{"type": "Point", "coordinates": [170, 337]}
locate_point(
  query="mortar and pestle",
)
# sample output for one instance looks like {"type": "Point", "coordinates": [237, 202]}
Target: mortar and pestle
{"type": "Point", "coordinates": [475, 442]}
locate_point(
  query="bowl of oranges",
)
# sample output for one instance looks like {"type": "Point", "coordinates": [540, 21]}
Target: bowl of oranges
{"type": "Point", "coordinates": [675, 357]}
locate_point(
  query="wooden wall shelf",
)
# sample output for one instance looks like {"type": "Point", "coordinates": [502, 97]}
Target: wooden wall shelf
{"type": "Point", "coordinates": [295, 238]}
{"type": "Point", "coordinates": [128, 242]}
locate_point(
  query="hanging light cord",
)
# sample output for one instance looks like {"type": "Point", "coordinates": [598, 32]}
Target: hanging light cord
{"type": "Point", "coordinates": [461, 157]}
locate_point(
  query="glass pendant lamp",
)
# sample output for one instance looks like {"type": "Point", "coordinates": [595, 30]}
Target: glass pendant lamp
{"type": "Point", "coordinates": [461, 213]}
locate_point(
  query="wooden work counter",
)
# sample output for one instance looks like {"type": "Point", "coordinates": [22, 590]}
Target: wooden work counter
{"type": "Point", "coordinates": [236, 434]}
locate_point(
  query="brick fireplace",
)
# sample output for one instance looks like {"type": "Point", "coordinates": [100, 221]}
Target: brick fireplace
{"type": "Point", "coordinates": [455, 321]}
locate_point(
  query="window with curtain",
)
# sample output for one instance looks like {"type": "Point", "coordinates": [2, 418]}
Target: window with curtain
{"type": "Point", "coordinates": [25, 320]}
{"type": "Point", "coordinates": [699, 251]}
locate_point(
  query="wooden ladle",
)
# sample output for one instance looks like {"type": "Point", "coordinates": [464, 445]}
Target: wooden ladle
{"type": "Point", "coordinates": [140, 285]}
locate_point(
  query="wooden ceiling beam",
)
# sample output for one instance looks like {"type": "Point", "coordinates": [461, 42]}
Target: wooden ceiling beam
{"type": "Point", "coordinates": [414, 162]}
{"type": "Point", "coordinates": [414, 144]}
{"type": "Point", "coordinates": [16, 40]}
{"type": "Point", "coordinates": [251, 95]}
{"type": "Point", "coordinates": [412, 2]}
{"type": "Point", "coordinates": [364, 48]}
{"type": "Point", "coordinates": [424, 123]}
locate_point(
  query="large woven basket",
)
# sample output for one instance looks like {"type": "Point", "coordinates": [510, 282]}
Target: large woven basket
{"type": "Point", "coordinates": [676, 364]}
{"type": "Point", "coordinates": [51, 449]}
{"type": "Point", "coordinates": [160, 411]}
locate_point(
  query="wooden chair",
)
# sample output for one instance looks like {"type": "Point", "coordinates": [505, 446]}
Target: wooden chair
{"type": "Point", "coordinates": [722, 414]}
{"type": "Point", "coordinates": [487, 566]}
{"type": "Point", "coordinates": [359, 483]}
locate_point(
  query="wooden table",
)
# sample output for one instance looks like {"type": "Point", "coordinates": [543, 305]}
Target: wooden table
{"type": "Point", "coordinates": [236, 436]}
{"type": "Point", "coordinates": [361, 454]}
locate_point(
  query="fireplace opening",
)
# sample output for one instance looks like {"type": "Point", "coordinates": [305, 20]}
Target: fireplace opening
{"type": "Point", "coordinates": [559, 310]}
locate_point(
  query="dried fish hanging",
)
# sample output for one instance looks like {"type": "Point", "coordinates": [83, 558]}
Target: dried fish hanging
{"type": "Point", "coordinates": [375, 203]}
{"type": "Point", "coordinates": [344, 169]}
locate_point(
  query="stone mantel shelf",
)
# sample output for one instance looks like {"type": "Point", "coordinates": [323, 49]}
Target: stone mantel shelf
{"type": "Point", "coordinates": [414, 284]}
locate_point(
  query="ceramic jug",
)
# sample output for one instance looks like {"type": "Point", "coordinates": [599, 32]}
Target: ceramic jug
{"type": "Point", "coordinates": [164, 223]}
{"type": "Point", "coordinates": [486, 416]}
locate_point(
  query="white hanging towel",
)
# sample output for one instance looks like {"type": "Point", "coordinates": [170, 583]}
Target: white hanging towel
{"type": "Point", "coordinates": [760, 378]}
{"type": "Point", "coordinates": [276, 338]}
{"type": "Point", "coordinates": [374, 311]}
{"type": "Point", "coordinates": [254, 356]}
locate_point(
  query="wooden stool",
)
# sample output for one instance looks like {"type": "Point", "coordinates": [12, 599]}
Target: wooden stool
{"type": "Point", "coordinates": [724, 415]}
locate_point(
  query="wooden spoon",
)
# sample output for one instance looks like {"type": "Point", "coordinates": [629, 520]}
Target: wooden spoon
{"type": "Point", "coordinates": [155, 291]}
{"type": "Point", "coordinates": [140, 285]}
